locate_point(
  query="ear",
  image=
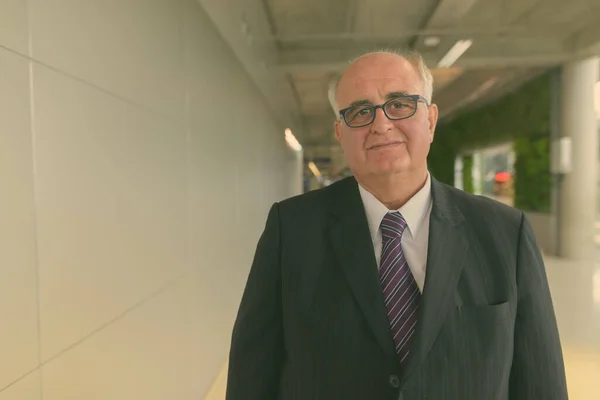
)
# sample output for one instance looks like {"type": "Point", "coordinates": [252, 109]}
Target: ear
{"type": "Point", "coordinates": [338, 130]}
{"type": "Point", "coordinates": [433, 119]}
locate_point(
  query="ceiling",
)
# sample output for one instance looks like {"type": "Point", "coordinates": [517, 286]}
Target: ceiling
{"type": "Point", "coordinates": [293, 48]}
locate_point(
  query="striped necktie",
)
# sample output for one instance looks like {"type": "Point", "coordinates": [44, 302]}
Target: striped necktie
{"type": "Point", "coordinates": [400, 290]}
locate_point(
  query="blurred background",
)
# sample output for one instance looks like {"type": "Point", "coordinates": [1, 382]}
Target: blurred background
{"type": "Point", "coordinates": [140, 139]}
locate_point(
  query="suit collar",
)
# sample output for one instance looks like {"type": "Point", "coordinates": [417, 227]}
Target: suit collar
{"type": "Point", "coordinates": [414, 211]}
{"type": "Point", "coordinates": [347, 199]}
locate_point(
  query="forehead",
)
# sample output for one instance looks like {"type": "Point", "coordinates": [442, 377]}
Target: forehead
{"type": "Point", "coordinates": [374, 77]}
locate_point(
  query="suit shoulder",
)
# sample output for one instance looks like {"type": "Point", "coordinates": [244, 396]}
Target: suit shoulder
{"type": "Point", "coordinates": [315, 201]}
{"type": "Point", "coordinates": [304, 200]}
{"type": "Point", "coordinates": [476, 207]}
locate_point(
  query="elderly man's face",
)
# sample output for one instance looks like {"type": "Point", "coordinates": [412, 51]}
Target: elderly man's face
{"type": "Point", "coordinates": [386, 146]}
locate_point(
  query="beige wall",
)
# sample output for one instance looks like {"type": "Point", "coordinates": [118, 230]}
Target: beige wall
{"type": "Point", "coordinates": [131, 201]}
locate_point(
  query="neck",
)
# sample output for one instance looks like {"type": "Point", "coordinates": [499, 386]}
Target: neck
{"type": "Point", "coordinates": [396, 189]}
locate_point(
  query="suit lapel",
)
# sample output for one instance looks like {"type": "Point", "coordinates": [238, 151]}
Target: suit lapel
{"type": "Point", "coordinates": [446, 254]}
{"type": "Point", "coordinates": [353, 246]}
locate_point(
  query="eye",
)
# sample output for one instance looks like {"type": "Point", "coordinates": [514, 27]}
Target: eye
{"type": "Point", "coordinates": [359, 112]}
{"type": "Point", "coordinates": [399, 104]}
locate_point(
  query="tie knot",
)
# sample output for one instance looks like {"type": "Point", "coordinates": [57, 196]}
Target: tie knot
{"type": "Point", "coordinates": [393, 226]}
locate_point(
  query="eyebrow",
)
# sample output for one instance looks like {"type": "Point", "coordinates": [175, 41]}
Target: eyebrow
{"type": "Point", "coordinates": [392, 95]}
{"type": "Point", "coordinates": [388, 96]}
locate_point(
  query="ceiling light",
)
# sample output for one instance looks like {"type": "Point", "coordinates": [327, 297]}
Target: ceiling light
{"type": "Point", "coordinates": [431, 41]}
{"type": "Point", "coordinates": [314, 169]}
{"type": "Point", "coordinates": [292, 141]}
{"type": "Point", "coordinates": [481, 90]}
{"type": "Point", "coordinates": [454, 53]}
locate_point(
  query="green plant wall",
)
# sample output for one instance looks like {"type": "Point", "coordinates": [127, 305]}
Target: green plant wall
{"type": "Point", "coordinates": [533, 180]}
{"type": "Point", "coordinates": [467, 174]}
{"type": "Point", "coordinates": [519, 116]}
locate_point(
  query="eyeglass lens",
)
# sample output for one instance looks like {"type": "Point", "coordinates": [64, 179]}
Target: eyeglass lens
{"type": "Point", "coordinates": [394, 109]}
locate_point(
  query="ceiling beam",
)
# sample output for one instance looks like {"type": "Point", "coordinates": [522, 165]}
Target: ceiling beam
{"type": "Point", "coordinates": [517, 31]}
{"type": "Point", "coordinates": [315, 62]}
{"type": "Point", "coordinates": [351, 15]}
{"type": "Point", "coordinates": [447, 16]}
{"type": "Point", "coordinates": [449, 13]}
{"type": "Point", "coordinates": [586, 41]}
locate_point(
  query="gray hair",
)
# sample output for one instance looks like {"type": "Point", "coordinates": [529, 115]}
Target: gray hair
{"type": "Point", "coordinates": [413, 57]}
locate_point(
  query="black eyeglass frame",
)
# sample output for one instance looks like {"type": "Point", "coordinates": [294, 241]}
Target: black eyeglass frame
{"type": "Point", "coordinates": [414, 97]}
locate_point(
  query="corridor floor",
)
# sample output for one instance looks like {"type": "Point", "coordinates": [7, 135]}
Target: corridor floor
{"type": "Point", "coordinates": [576, 295]}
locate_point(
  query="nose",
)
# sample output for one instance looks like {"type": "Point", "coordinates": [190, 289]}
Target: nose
{"type": "Point", "coordinates": [382, 123]}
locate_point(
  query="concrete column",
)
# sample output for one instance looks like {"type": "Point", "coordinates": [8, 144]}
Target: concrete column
{"type": "Point", "coordinates": [577, 209]}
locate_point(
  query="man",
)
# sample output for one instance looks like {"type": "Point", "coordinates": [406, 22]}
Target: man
{"type": "Point", "coordinates": [389, 284]}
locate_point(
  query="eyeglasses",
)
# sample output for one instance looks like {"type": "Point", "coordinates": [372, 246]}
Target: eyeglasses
{"type": "Point", "coordinates": [397, 108]}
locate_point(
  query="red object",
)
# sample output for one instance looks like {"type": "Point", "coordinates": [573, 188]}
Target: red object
{"type": "Point", "coordinates": [502, 177]}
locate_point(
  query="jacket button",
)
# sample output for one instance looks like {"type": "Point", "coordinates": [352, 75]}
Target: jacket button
{"type": "Point", "coordinates": [394, 381]}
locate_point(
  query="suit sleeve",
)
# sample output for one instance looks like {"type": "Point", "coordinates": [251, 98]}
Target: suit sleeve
{"type": "Point", "coordinates": [256, 352]}
{"type": "Point", "coordinates": [538, 369]}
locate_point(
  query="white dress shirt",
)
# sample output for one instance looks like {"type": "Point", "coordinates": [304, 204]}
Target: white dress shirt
{"type": "Point", "coordinates": [415, 239]}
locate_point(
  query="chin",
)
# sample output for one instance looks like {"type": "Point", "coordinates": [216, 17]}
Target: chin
{"type": "Point", "coordinates": [391, 167]}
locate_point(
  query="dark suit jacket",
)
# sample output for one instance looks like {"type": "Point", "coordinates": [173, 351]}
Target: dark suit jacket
{"type": "Point", "coordinates": [312, 324]}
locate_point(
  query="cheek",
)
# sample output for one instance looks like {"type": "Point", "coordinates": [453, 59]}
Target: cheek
{"type": "Point", "coordinates": [416, 131]}
{"type": "Point", "coordinates": [354, 142]}
{"type": "Point", "coordinates": [419, 140]}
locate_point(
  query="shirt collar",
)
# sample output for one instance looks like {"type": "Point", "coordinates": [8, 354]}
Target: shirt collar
{"type": "Point", "coordinates": [414, 211]}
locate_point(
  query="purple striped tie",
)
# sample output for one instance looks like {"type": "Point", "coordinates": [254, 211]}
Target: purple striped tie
{"type": "Point", "coordinates": [400, 290]}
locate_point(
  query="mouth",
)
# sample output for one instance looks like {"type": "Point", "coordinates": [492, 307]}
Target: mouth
{"type": "Point", "coordinates": [384, 145]}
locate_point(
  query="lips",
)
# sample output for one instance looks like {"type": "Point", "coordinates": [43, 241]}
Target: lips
{"type": "Point", "coordinates": [382, 145]}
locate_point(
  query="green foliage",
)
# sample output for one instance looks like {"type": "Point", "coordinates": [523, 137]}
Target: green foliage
{"type": "Point", "coordinates": [524, 113]}
{"type": "Point", "coordinates": [467, 174]}
{"type": "Point", "coordinates": [533, 180]}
